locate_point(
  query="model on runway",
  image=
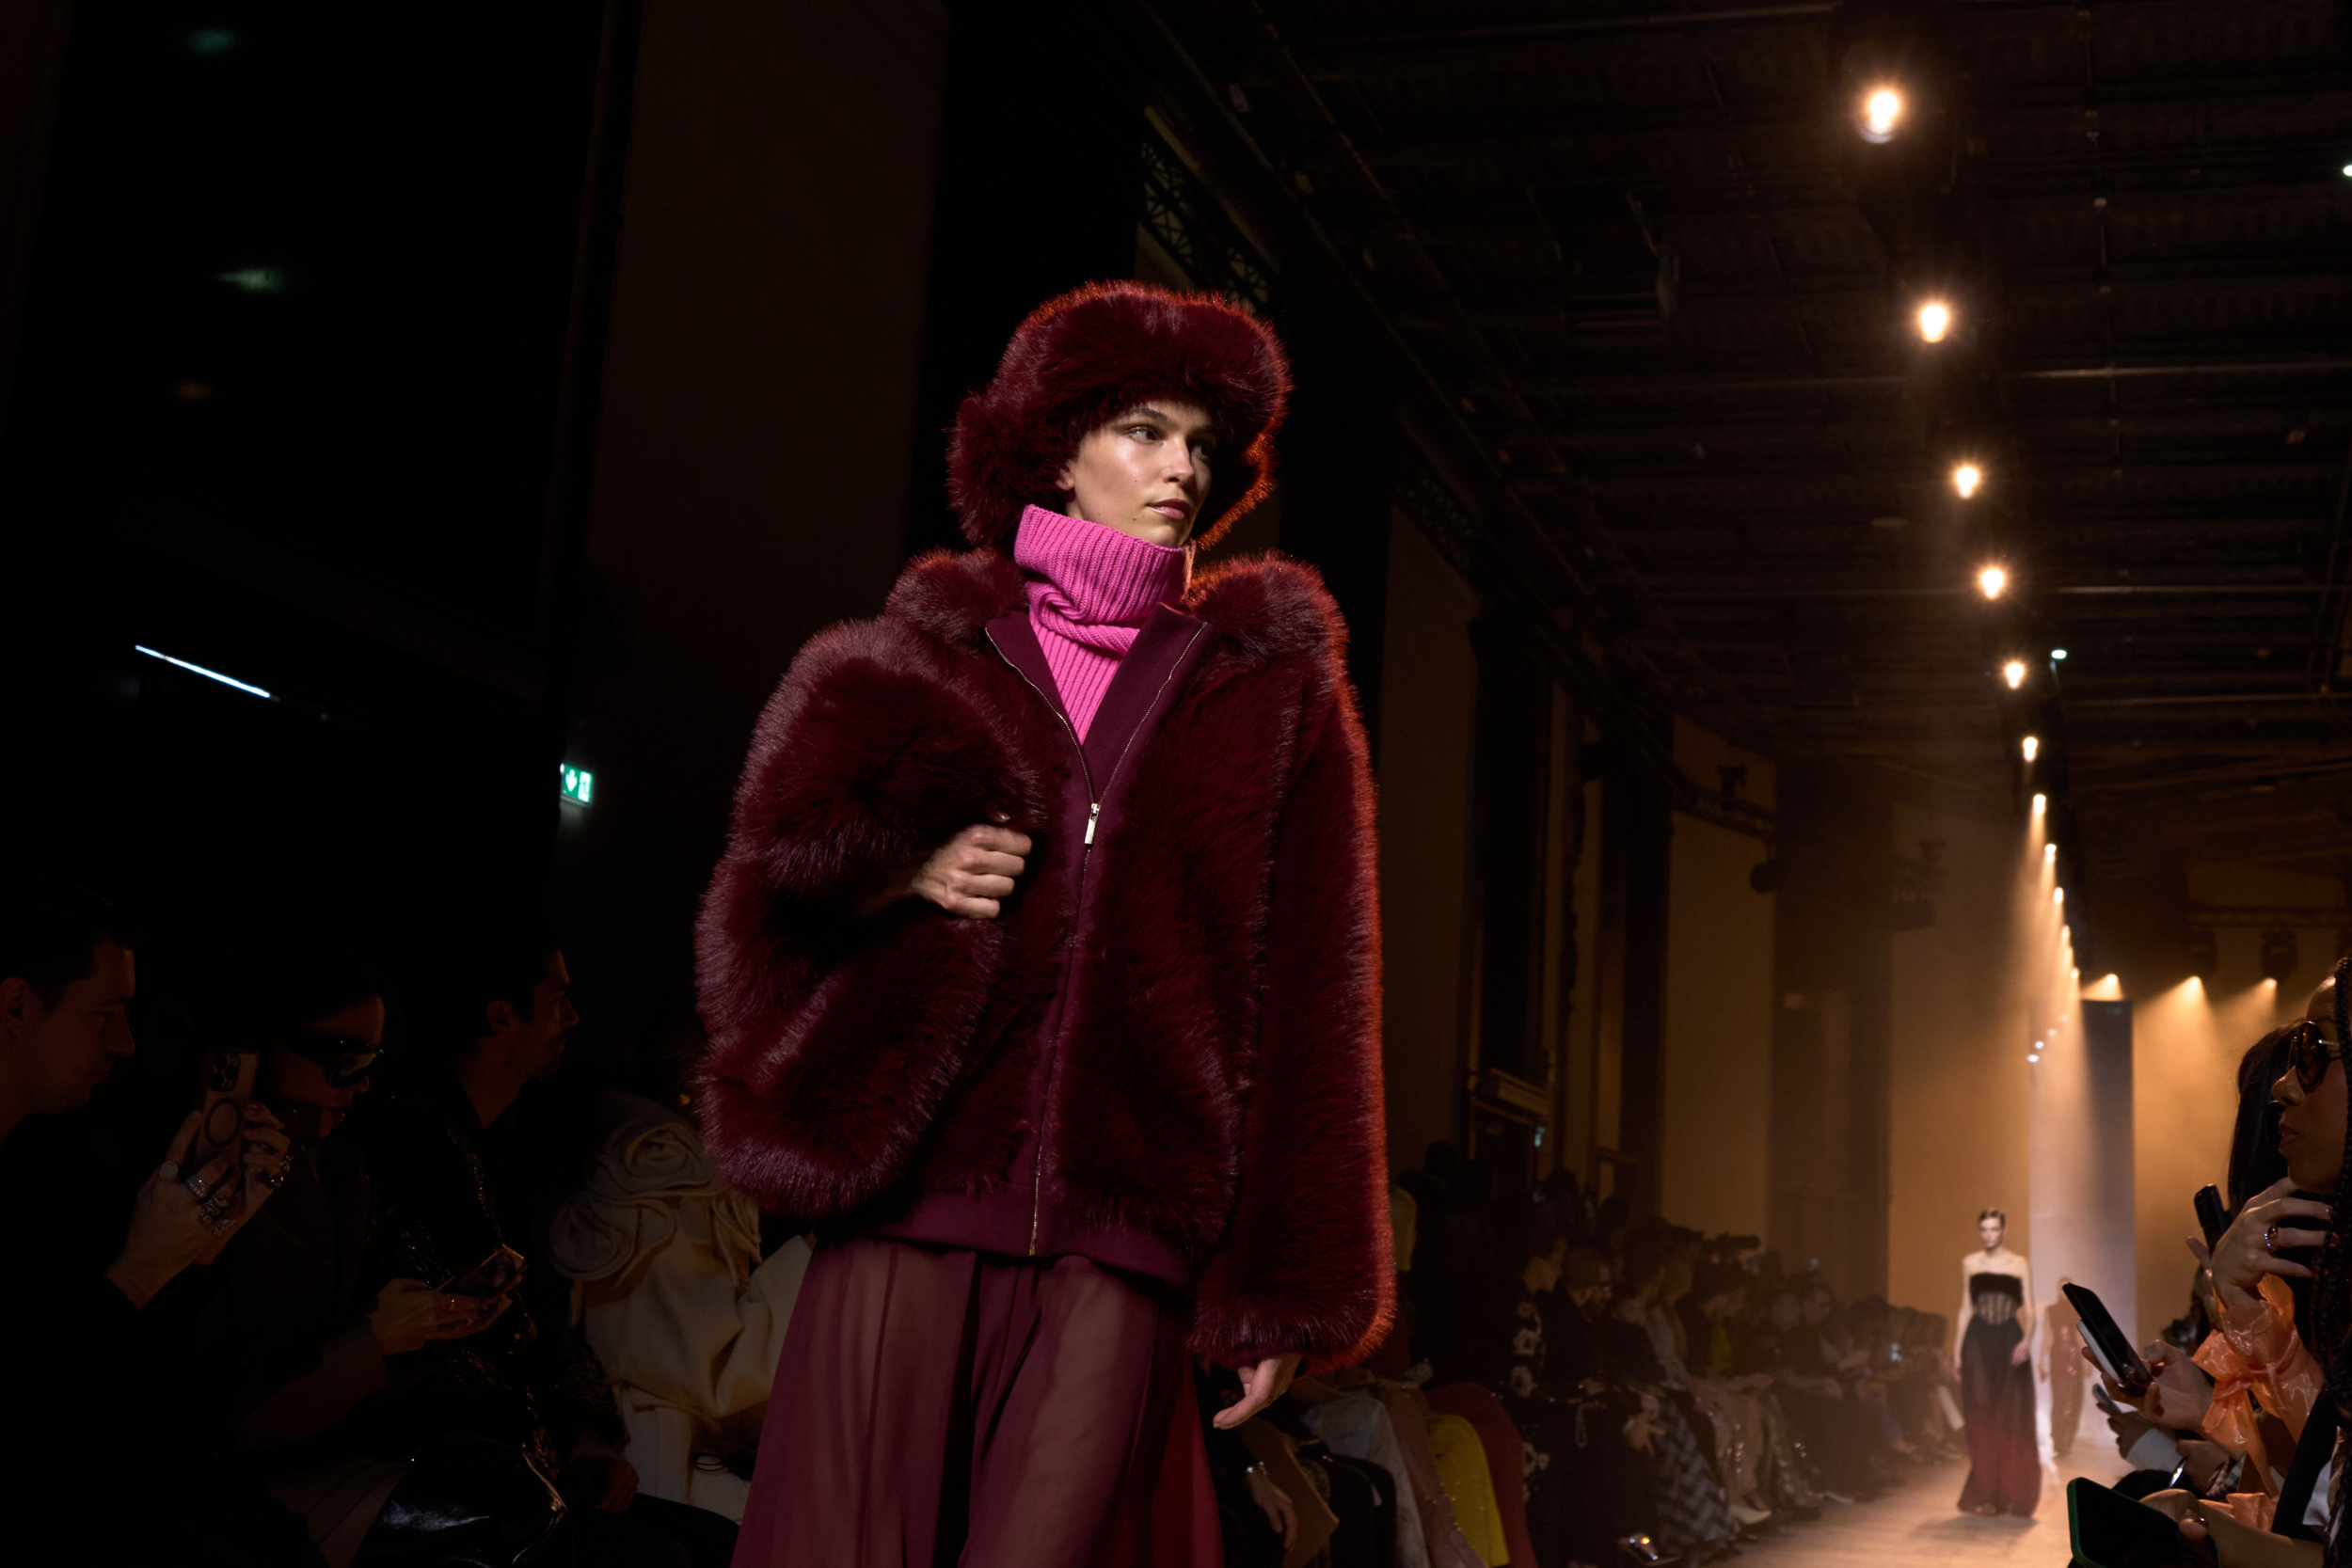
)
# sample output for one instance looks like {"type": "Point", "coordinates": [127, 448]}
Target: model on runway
{"type": "Point", "coordinates": [1994, 1360]}
{"type": "Point", "coordinates": [1041, 972]}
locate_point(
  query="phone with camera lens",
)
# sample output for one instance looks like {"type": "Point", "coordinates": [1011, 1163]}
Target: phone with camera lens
{"type": "Point", "coordinates": [225, 1082]}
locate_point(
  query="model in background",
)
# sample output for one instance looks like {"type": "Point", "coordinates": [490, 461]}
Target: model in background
{"type": "Point", "coordinates": [1994, 1361]}
{"type": "Point", "coordinates": [1042, 972]}
{"type": "Point", "coordinates": [2062, 1367]}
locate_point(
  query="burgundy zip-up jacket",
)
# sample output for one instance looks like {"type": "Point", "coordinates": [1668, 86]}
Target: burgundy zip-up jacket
{"type": "Point", "coordinates": [1164, 1055]}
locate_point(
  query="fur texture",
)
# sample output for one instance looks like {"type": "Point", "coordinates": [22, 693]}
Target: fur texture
{"type": "Point", "coordinates": [1093, 354]}
{"type": "Point", "coordinates": [1219, 1081]}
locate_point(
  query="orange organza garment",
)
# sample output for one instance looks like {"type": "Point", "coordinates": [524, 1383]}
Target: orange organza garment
{"type": "Point", "coordinates": [2257, 1355]}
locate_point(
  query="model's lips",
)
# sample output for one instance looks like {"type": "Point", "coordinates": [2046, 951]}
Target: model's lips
{"type": "Point", "coordinates": [1175, 512]}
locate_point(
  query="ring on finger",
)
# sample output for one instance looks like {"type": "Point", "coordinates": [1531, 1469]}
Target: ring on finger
{"type": "Point", "coordinates": [169, 1170]}
{"type": "Point", "coordinates": [2270, 1239]}
{"type": "Point", "coordinates": [196, 1185]}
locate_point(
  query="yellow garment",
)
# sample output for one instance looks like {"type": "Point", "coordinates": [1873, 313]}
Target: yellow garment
{"type": "Point", "coordinates": [1470, 1486]}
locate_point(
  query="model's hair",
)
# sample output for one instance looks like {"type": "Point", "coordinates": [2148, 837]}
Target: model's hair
{"type": "Point", "coordinates": [2331, 1311]}
{"type": "Point", "coordinates": [1994, 1215]}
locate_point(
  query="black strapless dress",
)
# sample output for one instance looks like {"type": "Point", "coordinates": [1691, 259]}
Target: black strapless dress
{"type": "Point", "coordinates": [1997, 1400]}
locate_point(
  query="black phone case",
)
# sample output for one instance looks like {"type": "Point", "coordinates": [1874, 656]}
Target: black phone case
{"type": "Point", "coordinates": [2111, 1530]}
{"type": "Point", "coordinates": [2100, 1331]}
{"type": "Point", "coordinates": [2211, 1217]}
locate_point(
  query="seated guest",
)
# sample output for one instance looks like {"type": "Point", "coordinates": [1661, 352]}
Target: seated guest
{"type": "Point", "coordinates": [672, 1293]}
{"type": "Point", "coordinates": [81, 1373]}
{"type": "Point", "coordinates": [293, 1347]}
{"type": "Point", "coordinates": [448, 1192]}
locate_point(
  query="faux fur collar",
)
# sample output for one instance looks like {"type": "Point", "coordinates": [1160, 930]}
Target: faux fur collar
{"type": "Point", "coordinates": [1266, 606]}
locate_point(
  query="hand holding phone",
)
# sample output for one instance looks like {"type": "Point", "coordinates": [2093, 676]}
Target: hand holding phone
{"type": "Point", "coordinates": [495, 1275]}
{"type": "Point", "coordinates": [2109, 1349]}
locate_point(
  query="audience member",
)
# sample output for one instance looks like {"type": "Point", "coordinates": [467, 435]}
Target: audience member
{"type": "Point", "coordinates": [452, 1197]}
{"type": "Point", "coordinates": [87, 1369]}
{"type": "Point", "coordinates": [671, 1291]}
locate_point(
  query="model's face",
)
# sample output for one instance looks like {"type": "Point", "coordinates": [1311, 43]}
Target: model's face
{"type": "Point", "coordinates": [1146, 472]}
{"type": "Point", "coordinates": [1990, 1233]}
{"type": "Point", "coordinates": [59, 1052]}
{"type": "Point", "coordinates": [2310, 1121]}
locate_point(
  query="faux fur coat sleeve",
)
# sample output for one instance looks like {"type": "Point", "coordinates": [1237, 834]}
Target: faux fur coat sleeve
{"type": "Point", "coordinates": [822, 1074]}
{"type": "Point", "coordinates": [1306, 1267]}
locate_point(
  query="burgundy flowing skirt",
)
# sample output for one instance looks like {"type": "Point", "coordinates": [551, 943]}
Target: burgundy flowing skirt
{"type": "Point", "coordinates": [1997, 1400]}
{"type": "Point", "coordinates": [936, 1407]}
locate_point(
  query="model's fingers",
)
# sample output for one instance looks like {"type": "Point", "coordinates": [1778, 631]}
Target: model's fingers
{"type": "Point", "coordinates": [988, 887]}
{"type": "Point", "coordinates": [2198, 1250]}
{"type": "Point", "coordinates": [177, 1149]}
{"type": "Point", "coordinates": [2299, 1238]}
{"type": "Point", "coordinates": [2286, 1266]}
{"type": "Point", "coordinates": [970, 909]}
{"type": "Point", "coordinates": [1003, 841]}
{"type": "Point", "coordinates": [989, 862]}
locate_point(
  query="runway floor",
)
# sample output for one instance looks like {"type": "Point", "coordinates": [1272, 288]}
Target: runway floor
{"type": "Point", "coordinates": [1917, 1526]}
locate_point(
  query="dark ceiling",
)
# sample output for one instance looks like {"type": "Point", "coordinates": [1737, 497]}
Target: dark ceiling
{"type": "Point", "coordinates": [1666, 288]}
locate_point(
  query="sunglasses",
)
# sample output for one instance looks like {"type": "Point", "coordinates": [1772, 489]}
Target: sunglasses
{"type": "Point", "coordinates": [346, 1058]}
{"type": "Point", "coordinates": [2313, 1046]}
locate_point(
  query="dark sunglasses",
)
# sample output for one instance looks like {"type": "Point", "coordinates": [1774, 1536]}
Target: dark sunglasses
{"type": "Point", "coordinates": [2313, 1046]}
{"type": "Point", "coordinates": [346, 1058]}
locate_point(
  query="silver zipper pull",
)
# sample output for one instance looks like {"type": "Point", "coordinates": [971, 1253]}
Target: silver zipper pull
{"type": "Point", "coordinates": [1093, 811]}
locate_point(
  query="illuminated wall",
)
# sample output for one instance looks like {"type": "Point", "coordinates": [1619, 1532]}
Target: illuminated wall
{"type": "Point", "coordinates": [1719, 1010]}
{"type": "Point", "coordinates": [1960, 1081]}
{"type": "Point", "coordinates": [1429, 683]}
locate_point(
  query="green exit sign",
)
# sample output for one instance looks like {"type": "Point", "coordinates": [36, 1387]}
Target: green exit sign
{"type": "Point", "coordinates": [580, 786]}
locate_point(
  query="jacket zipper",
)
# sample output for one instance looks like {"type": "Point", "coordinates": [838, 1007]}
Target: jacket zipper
{"type": "Point", "coordinates": [1094, 814]}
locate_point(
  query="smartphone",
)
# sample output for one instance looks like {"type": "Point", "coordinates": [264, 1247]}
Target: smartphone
{"type": "Point", "coordinates": [2111, 1530]}
{"type": "Point", "coordinates": [2211, 1217]}
{"type": "Point", "coordinates": [494, 1276]}
{"type": "Point", "coordinates": [225, 1082]}
{"type": "Point", "coordinates": [2099, 1394]}
{"type": "Point", "coordinates": [2109, 1346]}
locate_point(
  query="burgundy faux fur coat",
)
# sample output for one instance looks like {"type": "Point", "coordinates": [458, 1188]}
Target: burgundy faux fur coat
{"type": "Point", "coordinates": [1218, 1079]}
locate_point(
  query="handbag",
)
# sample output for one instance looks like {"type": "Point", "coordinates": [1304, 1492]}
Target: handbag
{"type": "Point", "coordinates": [466, 1502]}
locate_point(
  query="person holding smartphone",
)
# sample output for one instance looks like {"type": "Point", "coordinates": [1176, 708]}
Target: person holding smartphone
{"type": "Point", "coordinates": [79, 1373]}
{"type": "Point", "coordinates": [2297, 1212]}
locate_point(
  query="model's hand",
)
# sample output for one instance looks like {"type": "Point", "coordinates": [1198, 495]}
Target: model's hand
{"type": "Point", "coordinates": [266, 1150]}
{"type": "Point", "coordinates": [2244, 1254]}
{"type": "Point", "coordinates": [2022, 1349]}
{"type": "Point", "coordinates": [971, 874]}
{"type": "Point", "coordinates": [1261, 1385]}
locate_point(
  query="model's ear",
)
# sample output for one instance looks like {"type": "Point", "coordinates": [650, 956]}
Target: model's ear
{"type": "Point", "coordinates": [500, 1018]}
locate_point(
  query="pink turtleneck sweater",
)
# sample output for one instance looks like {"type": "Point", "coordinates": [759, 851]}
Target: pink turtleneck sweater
{"type": "Point", "coordinates": [1090, 590]}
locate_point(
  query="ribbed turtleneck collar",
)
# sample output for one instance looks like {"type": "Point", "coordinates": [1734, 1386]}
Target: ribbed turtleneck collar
{"type": "Point", "coordinates": [1093, 575]}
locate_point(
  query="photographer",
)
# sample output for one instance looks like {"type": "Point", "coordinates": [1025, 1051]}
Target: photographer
{"type": "Point", "coordinates": [83, 1367]}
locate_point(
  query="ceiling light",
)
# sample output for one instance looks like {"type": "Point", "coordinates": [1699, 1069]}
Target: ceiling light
{"type": "Point", "coordinates": [2058, 654]}
{"type": "Point", "coordinates": [2032, 1056]}
{"type": "Point", "coordinates": [2015, 673]}
{"type": "Point", "coordinates": [1992, 581]}
{"type": "Point", "coordinates": [1935, 321]}
{"type": "Point", "coordinates": [199, 669]}
{"type": "Point", "coordinates": [2348, 172]}
{"type": "Point", "coordinates": [1882, 110]}
{"type": "Point", "coordinates": [2041, 804]}
{"type": "Point", "coordinates": [2058, 894]}
{"type": "Point", "coordinates": [1966, 479]}
{"type": "Point", "coordinates": [2032, 746]}
{"type": "Point", "coordinates": [2049, 851]}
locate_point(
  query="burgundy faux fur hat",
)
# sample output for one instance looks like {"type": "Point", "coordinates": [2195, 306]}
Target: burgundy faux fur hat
{"type": "Point", "coordinates": [1088, 357]}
